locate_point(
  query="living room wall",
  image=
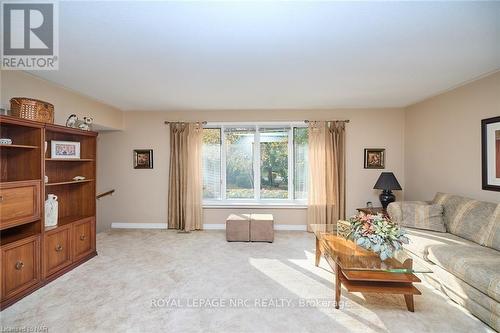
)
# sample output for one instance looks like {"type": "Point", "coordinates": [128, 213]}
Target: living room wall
{"type": "Point", "coordinates": [443, 141]}
{"type": "Point", "coordinates": [66, 102]}
{"type": "Point", "coordinates": [141, 195]}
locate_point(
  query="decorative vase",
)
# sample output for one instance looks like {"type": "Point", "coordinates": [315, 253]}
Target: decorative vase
{"type": "Point", "coordinates": [51, 210]}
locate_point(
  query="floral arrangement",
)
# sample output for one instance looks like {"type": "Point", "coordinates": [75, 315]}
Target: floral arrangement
{"type": "Point", "coordinates": [377, 233]}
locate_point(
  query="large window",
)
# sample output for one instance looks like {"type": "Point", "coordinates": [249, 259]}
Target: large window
{"type": "Point", "coordinates": [255, 163]}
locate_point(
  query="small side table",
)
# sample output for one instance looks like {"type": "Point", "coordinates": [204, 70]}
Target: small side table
{"type": "Point", "coordinates": [372, 210]}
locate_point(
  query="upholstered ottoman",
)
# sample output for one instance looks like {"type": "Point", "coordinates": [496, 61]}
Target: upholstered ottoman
{"type": "Point", "coordinates": [238, 228]}
{"type": "Point", "coordinates": [261, 228]}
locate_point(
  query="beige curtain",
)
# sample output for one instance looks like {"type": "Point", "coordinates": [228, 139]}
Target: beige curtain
{"type": "Point", "coordinates": [185, 181]}
{"type": "Point", "coordinates": [326, 194]}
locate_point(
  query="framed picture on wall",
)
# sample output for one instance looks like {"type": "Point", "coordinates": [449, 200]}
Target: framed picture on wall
{"type": "Point", "coordinates": [490, 148]}
{"type": "Point", "coordinates": [143, 158]}
{"type": "Point", "coordinates": [374, 158]}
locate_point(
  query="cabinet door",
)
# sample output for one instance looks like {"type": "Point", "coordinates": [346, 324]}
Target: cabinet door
{"type": "Point", "coordinates": [57, 247]}
{"type": "Point", "coordinates": [19, 203]}
{"type": "Point", "coordinates": [20, 266]}
{"type": "Point", "coordinates": [84, 238]}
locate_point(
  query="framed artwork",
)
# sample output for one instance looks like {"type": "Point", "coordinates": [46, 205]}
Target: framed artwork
{"type": "Point", "coordinates": [490, 149]}
{"type": "Point", "coordinates": [65, 149]}
{"type": "Point", "coordinates": [374, 158]}
{"type": "Point", "coordinates": [143, 158]}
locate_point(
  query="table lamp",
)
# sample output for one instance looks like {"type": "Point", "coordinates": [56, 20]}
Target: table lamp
{"type": "Point", "coordinates": [387, 182]}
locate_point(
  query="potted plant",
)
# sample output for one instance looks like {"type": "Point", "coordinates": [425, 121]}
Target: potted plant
{"type": "Point", "coordinates": [377, 233]}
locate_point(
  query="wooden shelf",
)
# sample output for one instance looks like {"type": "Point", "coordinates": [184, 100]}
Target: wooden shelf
{"type": "Point", "coordinates": [26, 160]}
{"type": "Point", "coordinates": [67, 220]}
{"type": "Point", "coordinates": [20, 232]}
{"type": "Point", "coordinates": [70, 159]}
{"type": "Point", "coordinates": [69, 182]}
{"type": "Point", "coordinates": [18, 146]}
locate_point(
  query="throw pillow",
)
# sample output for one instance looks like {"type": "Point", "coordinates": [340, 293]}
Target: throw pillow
{"type": "Point", "coordinates": [418, 215]}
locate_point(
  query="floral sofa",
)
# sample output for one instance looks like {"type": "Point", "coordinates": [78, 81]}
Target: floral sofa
{"type": "Point", "coordinates": [463, 252]}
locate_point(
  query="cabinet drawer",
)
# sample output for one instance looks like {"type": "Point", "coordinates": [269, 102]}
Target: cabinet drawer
{"type": "Point", "coordinates": [19, 203]}
{"type": "Point", "coordinates": [84, 237]}
{"type": "Point", "coordinates": [20, 266]}
{"type": "Point", "coordinates": [57, 246]}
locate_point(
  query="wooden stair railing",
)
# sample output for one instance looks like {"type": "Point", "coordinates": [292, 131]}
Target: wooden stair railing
{"type": "Point", "coordinates": [99, 196]}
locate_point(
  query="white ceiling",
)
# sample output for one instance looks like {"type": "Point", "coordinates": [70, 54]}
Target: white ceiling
{"type": "Point", "coordinates": [273, 55]}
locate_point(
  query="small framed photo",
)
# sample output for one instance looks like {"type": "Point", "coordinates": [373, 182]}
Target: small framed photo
{"type": "Point", "coordinates": [143, 158]}
{"type": "Point", "coordinates": [65, 149]}
{"type": "Point", "coordinates": [490, 146]}
{"type": "Point", "coordinates": [374, 158]}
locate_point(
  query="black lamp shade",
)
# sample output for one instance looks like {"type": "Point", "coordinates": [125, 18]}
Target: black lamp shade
{"type": "Point", "coordinates": [387, 182]}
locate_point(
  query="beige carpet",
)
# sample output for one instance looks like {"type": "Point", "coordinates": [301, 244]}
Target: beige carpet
{"type": "Point", "coordinates": [197, 280]}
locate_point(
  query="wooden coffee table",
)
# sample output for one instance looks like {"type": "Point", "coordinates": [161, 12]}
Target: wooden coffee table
{"type": "Point", "coordinates": [360, 270]}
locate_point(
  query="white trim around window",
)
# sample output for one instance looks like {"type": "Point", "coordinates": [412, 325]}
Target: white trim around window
{"type": "Point", "coordinates": [257, 202]}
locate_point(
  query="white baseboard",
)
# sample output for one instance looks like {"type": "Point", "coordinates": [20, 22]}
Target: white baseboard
{"type": "Point", "coordinates": [290, 227]}
{"type": "Point", "coordinates": [214, 226]}
{"type": "Point", "coordinates": [138, 225]}
{"type": "Point", "coordinates": [208, 226]}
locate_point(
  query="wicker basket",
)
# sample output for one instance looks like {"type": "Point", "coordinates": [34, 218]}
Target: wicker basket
{"type": "Point", "coordinates": [32, 109]}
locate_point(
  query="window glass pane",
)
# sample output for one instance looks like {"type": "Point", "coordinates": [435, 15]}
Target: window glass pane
{"type": "Point", "coordinates": [300, 139]}
{"type": "Point", "coordinates": [239, 163]}
{"type": "Point", "coordinates": [211, 163]}
{"type": "Point", "coordinates": [274, 163]}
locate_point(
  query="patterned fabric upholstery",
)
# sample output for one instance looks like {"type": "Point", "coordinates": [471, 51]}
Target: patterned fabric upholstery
{"type": "Point", "coordinates": [490, 235]}
{"type": "Point", "coordinates": [478, 266]}
{"type": "Point", "coordinates": [481, 305]}
{"type": "Point", "coordinates": [468, 218]}
{"type": "Point", "coordinates": [422, 240]}
{"type": "Point", "coordinates": [417, 214]}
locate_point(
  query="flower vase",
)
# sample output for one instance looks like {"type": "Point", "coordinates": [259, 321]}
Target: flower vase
{"type": "Point", "coordinates": [51, 210]}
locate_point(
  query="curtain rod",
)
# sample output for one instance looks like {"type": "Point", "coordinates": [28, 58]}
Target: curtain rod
{"type": "Point", "coordinates": [182, 121]}
{"type": "Point", "coordinates": [345, 121]}
{"type": "Point", "coordinates": [204, 122]}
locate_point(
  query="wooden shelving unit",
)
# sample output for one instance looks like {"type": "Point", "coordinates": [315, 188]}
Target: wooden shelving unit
{"type": "Point", "coordinates": [69, 159]}
{"type": "Point", "coordinates": [18, 146]}
{"type": "Point", "coordinates": [24, 164]}
{"type": "Point", "coordinates": [69, 182]}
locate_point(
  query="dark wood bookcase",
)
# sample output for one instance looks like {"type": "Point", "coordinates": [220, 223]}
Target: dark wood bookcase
{"type": "Point", "coordinates": [32, 254]}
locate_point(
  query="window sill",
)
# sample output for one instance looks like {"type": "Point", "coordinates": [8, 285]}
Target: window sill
{"type": "Point", "coordinates": [255, 205]}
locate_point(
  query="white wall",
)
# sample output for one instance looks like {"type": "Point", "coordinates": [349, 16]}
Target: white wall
{"type": "Point", "coordinates": [443, 141]}
{"type": "Point", "coordinates": [66, 102]}
{"type": "Point", "coordinates": [141, 195]}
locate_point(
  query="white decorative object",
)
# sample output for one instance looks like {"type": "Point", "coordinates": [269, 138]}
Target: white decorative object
{"type": "Point", "coordinates": [46, 179]}
{"type": "Point", "coordinates": [71, 121]}
{"type": "Point", "coordinates": [85, 124]}
{"type": "Point", "coordinates": [51, 210]}
{"type": "Point", "coordinates": [78, 178]}
{"type": "Point", "coordinates": [5, 141]}
{"type": "Point", "coordinates": [64, 149]}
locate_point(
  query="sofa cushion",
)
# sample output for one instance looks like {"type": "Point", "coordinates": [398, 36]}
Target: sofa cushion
{"type": "Point", "coordinates": [417, 214]}
{"type": "Point", "coordinates": [490, 236]}
{"type": "Point", "coordinates": [466, 217]}
{"type": "Point", "coordinates": [422, 240]}
{"type": "Point", "coordinates": [476, 265]}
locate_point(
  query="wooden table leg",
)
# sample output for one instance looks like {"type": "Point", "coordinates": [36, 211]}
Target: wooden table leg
{"type": "Point", "coordinates": [408, 263]}
{"type": "Point", "coordinates": [318, 252]}
{"type": "Point", "coordinates": [338, 286]}
{"type": "Point", "coordinates": [409, 303]}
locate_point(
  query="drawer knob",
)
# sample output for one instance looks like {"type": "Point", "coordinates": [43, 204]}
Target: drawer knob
{"type": "Point", "coordinates": [19, 265]}
{"type": "Point", "coordinates": [1, 198]}
{"type": "Point", "coordinates": [59, 248]}
{"type": "Point", "coordinates": [82, 237]}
